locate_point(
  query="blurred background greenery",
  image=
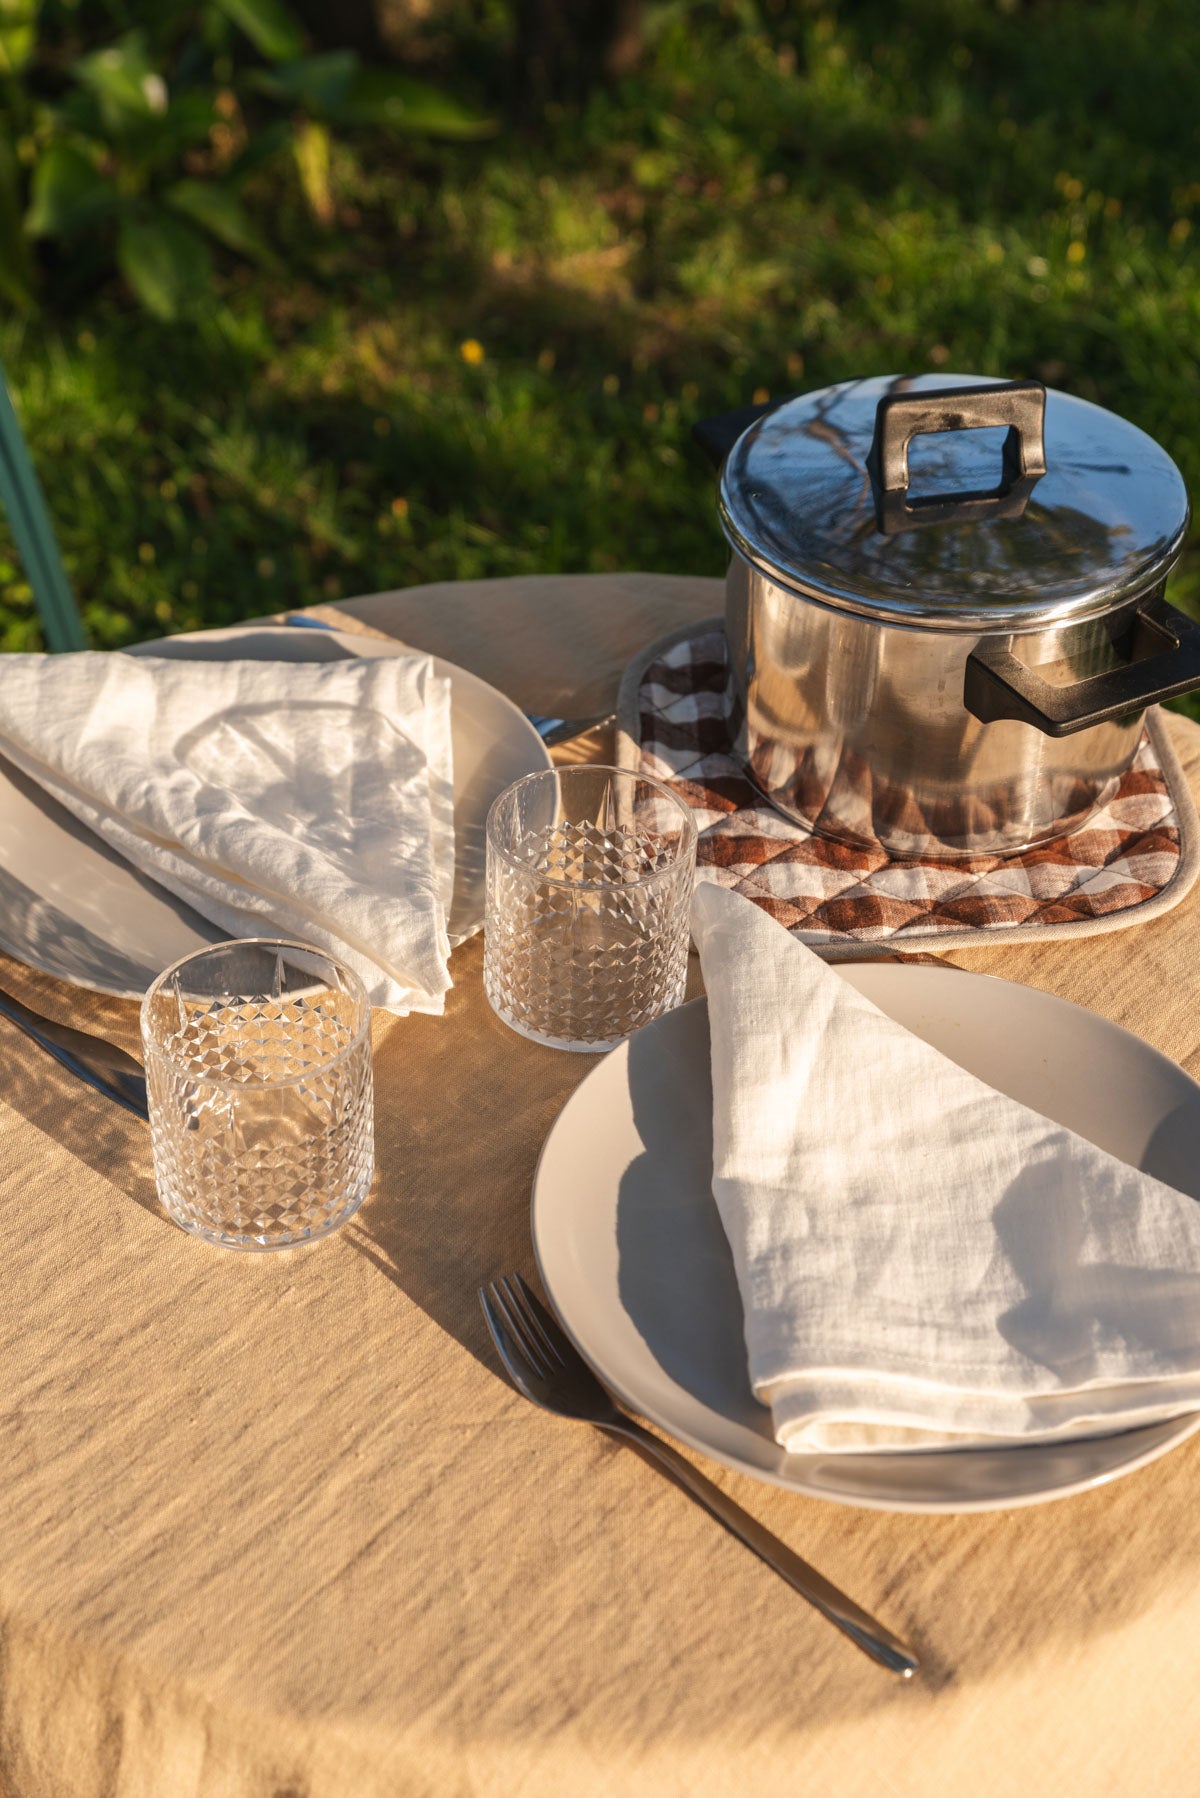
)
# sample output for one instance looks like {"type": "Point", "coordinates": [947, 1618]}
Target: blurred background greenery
{"type": "Point", "coordinates": [301, 301]}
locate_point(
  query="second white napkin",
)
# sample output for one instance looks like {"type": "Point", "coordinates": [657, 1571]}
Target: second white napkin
{"type": "Point", "coordinates": [923, 1261]}
{"type": "Point", "coordinates": [296, 799]}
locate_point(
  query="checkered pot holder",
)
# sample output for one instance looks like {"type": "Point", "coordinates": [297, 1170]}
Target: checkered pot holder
{"type": "Point", "coordinates": [1135, 858]}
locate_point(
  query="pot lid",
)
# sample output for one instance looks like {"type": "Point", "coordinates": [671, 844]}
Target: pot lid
{"type": "Point", "coordinates": [954, 502]}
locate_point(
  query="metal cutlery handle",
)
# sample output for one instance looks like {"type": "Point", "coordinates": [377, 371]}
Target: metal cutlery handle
{"type": "Point", "coordinates": [547, 1368]}
{"type": "Point", "coordinates": [551, 730]}
{"type": "Point", "coordinates": [863, 1630]}
{"type": "Point", "coordinates": [561, 730]}
{"type": "Point", "coordinates": [98, 1063]}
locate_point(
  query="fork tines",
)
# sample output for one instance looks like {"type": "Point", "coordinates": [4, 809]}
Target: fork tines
{"type": "Point", "coordinates": [519, 1310]}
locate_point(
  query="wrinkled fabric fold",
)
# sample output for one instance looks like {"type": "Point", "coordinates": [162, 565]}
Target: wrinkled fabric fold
{"type": "Point", "coordinates": [308, 800]}
{"type": "Point", "coordinates": [924, 1262]}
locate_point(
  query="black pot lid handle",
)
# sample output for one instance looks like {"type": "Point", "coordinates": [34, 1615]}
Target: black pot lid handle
{"type": "Point", "coordinates": [899, 417]}
{"type": "Point", "coordinates": [814, 493]}
{"type": "Point", "coordinates": [1164, 661]}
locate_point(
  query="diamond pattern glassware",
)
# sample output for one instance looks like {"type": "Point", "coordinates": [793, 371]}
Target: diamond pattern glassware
{"type": "Point", "coordinates": [258, 1076]}
{"type": "Point", "coordinates": [589, 884]}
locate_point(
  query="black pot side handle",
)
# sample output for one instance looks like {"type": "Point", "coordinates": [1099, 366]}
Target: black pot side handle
{"type": "Point", "coordinates": [1164, 662]}
{"type": "Point", "coordinates": [717, 436]}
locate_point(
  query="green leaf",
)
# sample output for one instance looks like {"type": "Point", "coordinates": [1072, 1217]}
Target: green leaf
{"type": "Point", "coordinates": [405, 103]}
{"type": "Point", "coordinates": [66, 193]}
{"type": "Point", "coordinates": [14, 249]}
{"type": "Point", "coordinates": [128, 88]}
{"type": "Point", "coordinates": [320, 83]}
{"type": "Point", "coordinates": [338, 87]}
{"type": "Point", "coordinates": [265, 142]}
{"type": "Point", "coordinates": [78, 114]}
{"type": "Point", "coordinates": [269, 26]}
{"type": "Point", "coordinates": [191, 117]}
{"type": "Point", "coordinates": [310, 146]}
{"type": "Point", "coordinates": [18, 34]}
{"type": "Point", "coordinates": [164, 261]}
{"type": "Point", "coordinates": [217, 210]}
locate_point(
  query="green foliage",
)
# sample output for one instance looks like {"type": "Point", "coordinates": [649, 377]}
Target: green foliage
{"type": "Point", "coordinates": [128, 93]}
{"type": "Point", "coordinates": [320, 83]}
{"type": "Point", "coordinates": [336, 87]}
{"type": "Point", "coordinates": [162, 259]}
{"type": "Point", "coordinates": [397, 102]}
{"type": "Point", "coordinates": [268, 25]}
{"type": "Point", "coordinates": [18, 34]}
{"type": "Point", "coordinates": [487, 360]}
{"type": "Point", "coordinates": [220, 212]}
{"type": "Point", "coordinates": [67, 194]}
{"type": "Point", "coordinates": [14, 251]}
{"type": "Point", "coordinates": [126, 165]}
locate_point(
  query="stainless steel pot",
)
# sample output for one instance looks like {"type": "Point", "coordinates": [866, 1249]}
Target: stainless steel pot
{"type": "Point", "coordinates": [929, 660]}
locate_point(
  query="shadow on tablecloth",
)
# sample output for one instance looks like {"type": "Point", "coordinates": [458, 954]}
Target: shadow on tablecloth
{"type": "Point", "coordinates": [463, 1106]}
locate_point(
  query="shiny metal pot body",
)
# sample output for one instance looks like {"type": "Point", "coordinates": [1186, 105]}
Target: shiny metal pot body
{"type": "Point", "coordinates": [945, 607]}
{"type": "Point", "coordinates": [856, 727]}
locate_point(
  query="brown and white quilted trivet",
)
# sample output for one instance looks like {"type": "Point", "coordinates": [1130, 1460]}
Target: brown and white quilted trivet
{"type": "Point", "coordinates": [1134, 858]}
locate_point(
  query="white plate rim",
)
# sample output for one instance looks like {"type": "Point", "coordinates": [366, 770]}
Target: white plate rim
{"type": "Point", "coordinates": [1185, 1426]}
{"type": "Point", "coordinates": [355, 642]}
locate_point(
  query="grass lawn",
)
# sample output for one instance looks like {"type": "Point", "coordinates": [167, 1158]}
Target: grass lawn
{"type": "Point", "coordinates": [489, 361]}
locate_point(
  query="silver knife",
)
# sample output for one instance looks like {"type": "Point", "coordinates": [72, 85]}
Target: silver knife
{"type": "Point", "coordinates": [100, 1064]}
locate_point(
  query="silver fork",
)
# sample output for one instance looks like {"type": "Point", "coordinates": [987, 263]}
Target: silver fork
{"type": "Point", "coordinates": [547, 1369]}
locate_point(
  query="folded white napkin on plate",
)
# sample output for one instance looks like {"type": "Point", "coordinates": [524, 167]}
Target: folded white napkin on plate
{"type": "Point", "coordinates": [924, 1262]}
{"type": "Point", "coordinates": [295, 799]}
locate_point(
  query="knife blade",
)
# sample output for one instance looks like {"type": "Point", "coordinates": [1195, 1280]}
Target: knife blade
{"type": "Point", "coordinates": [100, 1064]}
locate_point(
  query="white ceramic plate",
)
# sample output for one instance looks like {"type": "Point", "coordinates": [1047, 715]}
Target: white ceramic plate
{"type": "Point", "coordinates": [632, 1253]}
{"type": "Point", "coordinates": [72, 907]}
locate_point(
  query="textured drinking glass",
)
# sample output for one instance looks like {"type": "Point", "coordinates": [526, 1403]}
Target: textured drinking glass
{"type": "Point", "coordinates": [589, 886]}
{"type": "Point", "coordinates": [258, 1075]}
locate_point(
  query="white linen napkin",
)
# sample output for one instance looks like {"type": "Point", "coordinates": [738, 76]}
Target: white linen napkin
{"type": "Point", "coordinates": [924, 1262]}
{"type": "Point", "coordinates": [298, 799]}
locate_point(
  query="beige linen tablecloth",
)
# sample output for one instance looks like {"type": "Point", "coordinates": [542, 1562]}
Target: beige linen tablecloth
{"type": "Point", "coordinates": [275, 1526]}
